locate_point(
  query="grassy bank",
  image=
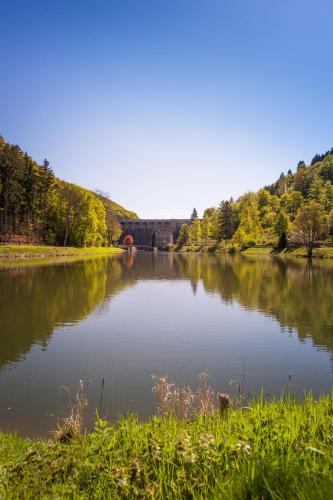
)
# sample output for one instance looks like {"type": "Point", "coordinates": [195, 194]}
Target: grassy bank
{"type": "Point", "coordinates": [31, 251]}
{"type": "Point", "coordinates": [319, 253]}
{"type": "Point", "coordinates": [268, 450]}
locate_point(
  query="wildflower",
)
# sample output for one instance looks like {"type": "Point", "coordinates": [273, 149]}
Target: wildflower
{"type": "Point", "coordinates": [206, 441]}
{"type": "Point", "coordinates": [136, 469]}
{"type": "Point", "coordinates": [185, 448]}
{"type": "Point", "coordinates": [119, 474]}
{"type": "Point", "coordinates": [189, 457]}
{"type": "Point", "coordinates": [243, 446]}
{"type": "Point", "coordinates": [155, 450]}
{"type": "Point", "coordinates": [122, 481]}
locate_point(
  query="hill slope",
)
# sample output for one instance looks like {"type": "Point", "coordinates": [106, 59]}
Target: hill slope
{"type": "Point", "coordinates": [35, 206]}
{"type": "Point", "coordinates": [296, 207]}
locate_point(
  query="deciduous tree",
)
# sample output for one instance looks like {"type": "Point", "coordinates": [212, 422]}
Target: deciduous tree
{"type": "Point", "coordinates": [308, 225]}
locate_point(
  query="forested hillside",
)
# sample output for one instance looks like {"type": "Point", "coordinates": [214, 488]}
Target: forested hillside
{"type": "Point", "coordinates": [296, 209]}
{"type": "Point", "coordinates": [35, 206]}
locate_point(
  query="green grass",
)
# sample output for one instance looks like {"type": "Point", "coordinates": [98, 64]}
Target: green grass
{"type": "Point", "coordinates": [280, 450]}
{"type": "Point", "coordinates": [321, 253]}
{"type": "Point", "coordinates": [34, 251]}
{"type": "Point", "coordinates": [258, 251]}
{"type": "Point", "coordinates": [196, 248]}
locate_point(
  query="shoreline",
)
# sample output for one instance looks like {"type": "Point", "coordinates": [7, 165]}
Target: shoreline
{"type": "Point", "coordinates": [318, 253]}
{"type": "Point", "coordinates": [24, 253]}
{"type": "Point", "coordinates": [42, 252]}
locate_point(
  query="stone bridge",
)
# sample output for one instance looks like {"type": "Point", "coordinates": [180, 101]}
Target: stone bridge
{"type": "Point", "coordinates": [152, 232]}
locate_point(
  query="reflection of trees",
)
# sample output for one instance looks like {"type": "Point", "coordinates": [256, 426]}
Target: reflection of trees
{"type": "Point", "coordinates": [34, 300]}
{"type": "Point", "coordinates": [299, 294]}
{"type": "Point", "coordinates": [296, 292]}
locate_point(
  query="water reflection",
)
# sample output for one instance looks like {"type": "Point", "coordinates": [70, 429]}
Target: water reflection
{"type": "Point", "coordinates": [124, 318]}
{"type": "Point", "coordinates": [35, 300]}
{"type": "Point", "coordinates": [298, 293]}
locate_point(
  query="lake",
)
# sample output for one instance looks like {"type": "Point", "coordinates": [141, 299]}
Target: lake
{"type": "Point", "coordinates": [265, 323]}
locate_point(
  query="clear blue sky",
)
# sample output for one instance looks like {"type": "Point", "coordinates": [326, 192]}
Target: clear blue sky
{"type": "Point", "coordinates": [168, 104]}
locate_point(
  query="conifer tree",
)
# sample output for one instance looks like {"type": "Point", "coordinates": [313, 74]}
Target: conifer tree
{"type": "Point", "coordinates": [194, 215]}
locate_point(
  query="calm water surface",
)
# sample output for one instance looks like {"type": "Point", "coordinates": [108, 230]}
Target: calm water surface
{"type": "Point", "coordinates": [123, 319]}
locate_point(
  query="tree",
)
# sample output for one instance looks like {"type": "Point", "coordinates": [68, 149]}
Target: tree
{"type": "Point", "coordinates": [240, 237]}
{"type": "Point", "coordinates": [250, 217]}
{"type": "Point", "coordinates": [195, 231]}
{"type": "Point", "coordinates": [183, 235]}
{"type": "Point", "coordinates": [291, 202]}
{"type": "Point", "coordinates": [215, 224]}
{"type": "Point", "coordinates": [330, 223]}
{"type": "Point", "coordinates": [113, 228]}
{"type": "Point", "coordinates": [226, 220]}
{"type": "Point", "coordinates": [79, 217]}
{"type": "Point", "coordinates": [194, 215]}
{"type": "Point", "coordinates": [281, 228]}
{"type": "Point", "coordinates": [205, 228]}
{"type": "Point", "coordinates": [268, 205]}
{"type": "Point", "coordinates": [308, 225]}
{"type": "Point", "coordinates": [34, 204]}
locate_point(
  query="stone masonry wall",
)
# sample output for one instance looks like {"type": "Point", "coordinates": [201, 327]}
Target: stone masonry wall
{"type": "Point", "coordinates": [153, 232]}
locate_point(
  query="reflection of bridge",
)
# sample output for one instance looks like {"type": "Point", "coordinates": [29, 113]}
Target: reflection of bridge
{"type": "Point", "coordinates": [153, 232]}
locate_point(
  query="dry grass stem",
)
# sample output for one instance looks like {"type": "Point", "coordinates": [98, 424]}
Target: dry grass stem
{"type": "Point", "coordinates": [71, 427]}
{"type": "Point", "coordinates": [183, 402]}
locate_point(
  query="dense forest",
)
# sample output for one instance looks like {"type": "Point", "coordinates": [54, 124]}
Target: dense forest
{"type": "Point", "coordinates": [37, 207]}
{"type": "Point", "coordinates": [296, 210]}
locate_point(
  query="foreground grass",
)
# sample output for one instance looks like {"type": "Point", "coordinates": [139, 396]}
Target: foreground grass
{"type": "Point", "coordinates": [36, 251]}
{"type": "Point", "coordinates": [269, 450]}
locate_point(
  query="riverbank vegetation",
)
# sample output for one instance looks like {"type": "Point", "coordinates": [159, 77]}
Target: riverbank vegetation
{"type": "Point", "coordinates": [36, 207]}
{"type": "Point", "coordinates": [42, 251]}
{"type": "Point", "coordinates": [268, 449]}
{"type": "Point", "coordinates": [297, 210]}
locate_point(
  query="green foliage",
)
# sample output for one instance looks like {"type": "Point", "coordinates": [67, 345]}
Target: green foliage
{"type": "Point", "coordinates": [78, 216]}
{"type": "Point", "coordinates": [260, 217]}
{"type": "Point", "coordinates": [36, 204]}
{"type": "Point", "coordinates": [195, 231]}
{"type": "Point", "coordinates": [281, 229]}
{"type": "Point", "coordinates": [25, 191]}
{"type": "Point", "coordinates": [240, 237]}
{"type": "Point", "coordinates": [206, 228]}
{"type": "Point", "coordinates": [227, 218]}
{"type": "Point", "coordinates": [291, 202]}
{"type": "Point", "coordinates": [184, 234]}
{"type": "Point", "coordinates": [279, 449]}
{"type": "Point", "coordinates": [309, 225]}
{"type": "Point", "coordinates": [250, 224]}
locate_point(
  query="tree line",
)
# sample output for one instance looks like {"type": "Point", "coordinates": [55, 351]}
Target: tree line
{"type": "Point", "coordinates": [34, 204]}
{"type": "Point", "coordinates": [296, 209]}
